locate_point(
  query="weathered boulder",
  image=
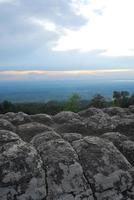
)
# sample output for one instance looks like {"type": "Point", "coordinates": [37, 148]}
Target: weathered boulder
{"type": "Point", "coordinates": [126, 126]}
{"type": "Point", "coordinates": [21, 173]}
{"type": "Point", "coordinates": [116, 111]}
{"type": "Point", "coordinates": [66, 117]}
{"type": "Point", "coordinates": [68, 165]}
{"type": "Point", "coordinates": [127, 149]}
{"type": "Point", "coordinates": [42, 118]}
{"type": "Point", "coordinates": [94, 125]}
{"type": "Point", "coordinates": [115, 137]}
{"type": "Point", "coordinates": [123, 143]}
{"type": "Point", "coordinates": [7, 116]}
{"type": "Point", "coordinates": [8, 136]}
{"type": "Point", "coordinates": [70, 137]}
{"type": "Point", "coordinates": [73, 127]}
{"type": "Point", "coordinates": [90, 112]}
{"type": "Point", "coordinates": [131, 108]}
{"type": "Point", "coordinates": [109, 173]}
{"type": "Point", "coordinates": [6, 125]}
{"type": "Point", "coordinates": [44, 138]}
{"type": "Point", "coordinates": [17, 118]}
{"type": "Point", "coordinates": [100, 123]}
{"type": "Point", "coordinates": [29, 130]}
{"type": "Point", "coordinates": [21, 118]}
{"type": "Point", "coordinates": [65, 177]}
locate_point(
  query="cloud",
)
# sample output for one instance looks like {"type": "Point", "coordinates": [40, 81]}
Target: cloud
{"type": "Point", "coordinates": [20, 36]}
{"type": "Point", "coordinates": [111, 30]}
{"type": "Point", "coordinates": [78, 34]}
{"type": "Point", "coordinates": [76, 74]}
{"type": "Point", "coordinates": [7, 1]}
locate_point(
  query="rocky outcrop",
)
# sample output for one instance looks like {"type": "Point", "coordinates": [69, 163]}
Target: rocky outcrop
{"type": "Point", "coordinates": [106, 169]}
{"type": "Point", "coordinates": [29, 130]}
{"type": "Point", "coordinates": [70, 156]}
{"type": "Point", "coordinates": [90, 112]}
{"type": "Point", "coordinates": [42, 118]}
{"type": "Point", "coordinates": [6, 125]}
{"type": "Point", "coordinates": [21, 172]}
{"type": "Point", "coordinates": [65, 117]}
{"type": "Point", "coordinates": [17, 118]}
{"type": "Point", "coordinates": [123, 143]}
{"type": "Point", "coordinates": [65, 177]}
{"type": "Point", "coordinates": [116, 111]}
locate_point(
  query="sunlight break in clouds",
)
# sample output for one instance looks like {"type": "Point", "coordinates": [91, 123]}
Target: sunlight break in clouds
{"type": "Point", "coordinates": [109, 28]}
{"type": "Point", "coordinates": [43, 74]}
{"type": "Point", "coordinates": [46, 24]}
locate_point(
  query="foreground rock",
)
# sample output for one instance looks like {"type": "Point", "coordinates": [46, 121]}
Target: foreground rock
{"type": "Point", "coordinates": [71, 137]}
{"type": "Point", "coordinates": [42, 118]}
{"type": "Point", "coordinates": [6, 125]}
{"type": "Point", "coordinates": [29, 130]}
{"type": "Point", "coordinates": [123, 143]}
{"type": "Point", "coordinates": [65, 177]}
{"type": "Point", "coordinates": [17, 118]}
{"type": "Point", "coordinates": [65, 117]}
{"type": "Point", "coordinates": [106, 169]}
{"type": "Point", "coordinates": [21, 174]}
{"type": "Point", "coordinates": [69, 156]}
{"type": "Point", "coordinates": [90, 112]}
{"type": "Point", "coordinates": [96, 124]}
{"type": "Point", "coordinates": [116, 111]}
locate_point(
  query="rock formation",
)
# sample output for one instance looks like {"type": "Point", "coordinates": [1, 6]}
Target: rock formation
{"type": "Point", "coordinates": [69, 156]}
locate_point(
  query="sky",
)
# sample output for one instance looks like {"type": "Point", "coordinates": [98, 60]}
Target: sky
{"type": "Point", "coordinates": [92, 37]}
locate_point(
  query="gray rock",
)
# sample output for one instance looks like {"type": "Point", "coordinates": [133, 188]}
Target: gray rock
{"type": "Point", "coordinates": [29, 130]}
{"type": "Point", "coordinates": [70, 137]}
{"type": "Point", "coordinates": [116, 111]}
{"type": "Point", "coordinates": [109, 173]}
{"type": "Point", "coordinates": [123, 143]}
{"type": "Point", "coordinates": [6, 125]}
{"type": "Point", "coordinates": [100, 123]}
{"type": "Point", "coordinates": [44, 138]}
{"type": "Point", "coordinates": [127, 149]}
{"type": "Point", "coordinates": [90, 112]}
{"type": "Point", "coordinates": [65, 177]}
{"type": "Point", "coordinates": [42, 118]}
{"type": "Point", "coordinates": [94, 125]}
{"type": "Point", "coordinates": [126, 126]}
{"type": "Point", "coordinates": [73, 127]}
{"type": "Point", "coordinates": [21, 118]}
{"type": "Point", "coordinates": [21, 173]}
{"type": "Point", "coordinates": [115, 137]}
{"type": "Point", "coordinates": [68, 166]}
{"type": "Point", "coordinates": [65, 117]}
{"type": "Point", "coordinates": [17, 118]}
{"type": "Point", "coordinates": [131, 108]}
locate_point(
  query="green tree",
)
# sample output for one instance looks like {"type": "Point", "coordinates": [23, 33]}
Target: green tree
{"type": "Point", "coordinates": [121, 98]}
{"type": "Point", "coordinates": [7, 106]}
{"type": "Point", "coordinates": [98, 101]}
{"type": "Point", "coordinates": [116, 98]}
{"type": "Point", "coordinates": [131, 99]}
{"type": "Point", "coordinates": [73, 103]}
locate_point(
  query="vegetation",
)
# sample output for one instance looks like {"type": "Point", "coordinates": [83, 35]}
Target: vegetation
{"type": "Point", "coordinates": [99, 101]}
{"type": "Point", "coordinates": [121, 99]}
{"type": "Point", "coordinates": [74, 103]}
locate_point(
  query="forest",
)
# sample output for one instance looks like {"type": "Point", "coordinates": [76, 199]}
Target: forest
{"type": "Point", "coordinates": [74, 103]}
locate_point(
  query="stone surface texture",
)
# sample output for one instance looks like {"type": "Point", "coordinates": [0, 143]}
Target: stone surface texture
{"type": "Point", "coordinates": [70, 156]}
